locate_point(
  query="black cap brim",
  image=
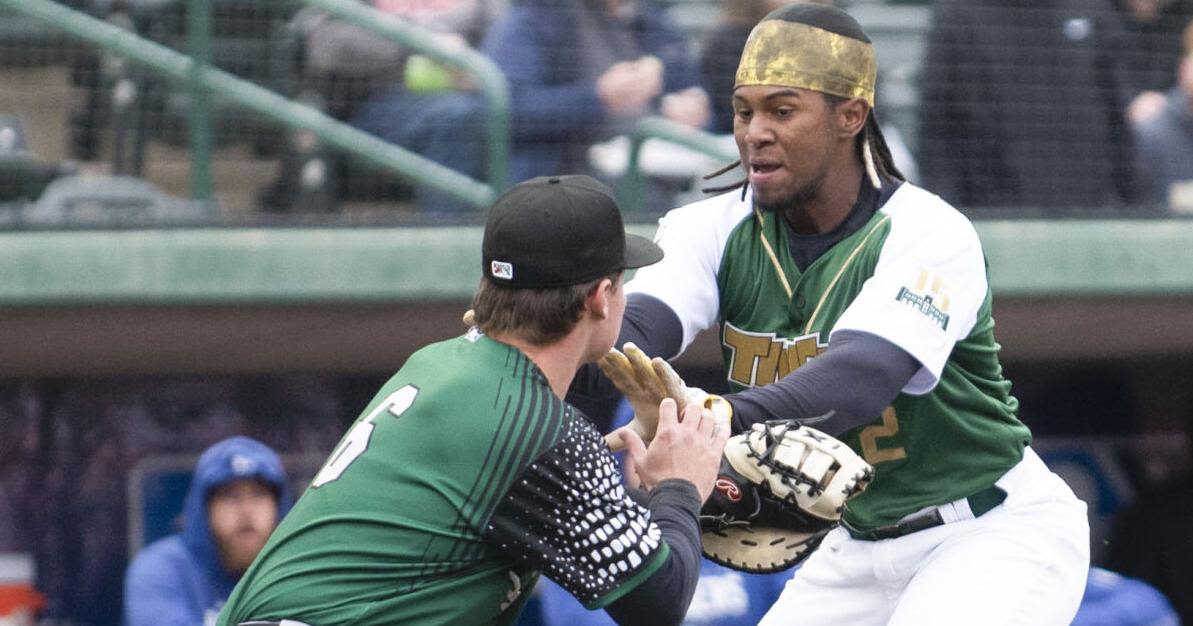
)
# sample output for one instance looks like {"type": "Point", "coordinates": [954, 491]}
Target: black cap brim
{"type": "Point", "coordinates": [640, 252]}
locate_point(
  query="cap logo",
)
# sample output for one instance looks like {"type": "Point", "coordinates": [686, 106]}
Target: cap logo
{"type": "Point", "coordinates": [501, 269]}
{"type": "Point", "coordinates": [242, 465]}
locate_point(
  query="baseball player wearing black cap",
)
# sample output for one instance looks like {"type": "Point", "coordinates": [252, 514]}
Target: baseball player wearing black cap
{"type": "Point", "coordinates": [468, 475]}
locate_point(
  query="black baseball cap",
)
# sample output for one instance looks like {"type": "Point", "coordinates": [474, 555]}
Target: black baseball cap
{"type": "Point", "coordinates": [557, 231]}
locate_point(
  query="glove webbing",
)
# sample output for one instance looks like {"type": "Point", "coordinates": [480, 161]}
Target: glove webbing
{"type": "Point", "coordinates": [784, 471]}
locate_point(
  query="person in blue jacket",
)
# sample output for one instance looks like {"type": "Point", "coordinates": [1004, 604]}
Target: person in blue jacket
{"type": "Point", "coordinates": [238, 493]}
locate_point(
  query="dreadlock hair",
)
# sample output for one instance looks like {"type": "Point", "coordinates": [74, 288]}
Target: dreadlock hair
{"type": "Point", "coordinates": [870, 145]}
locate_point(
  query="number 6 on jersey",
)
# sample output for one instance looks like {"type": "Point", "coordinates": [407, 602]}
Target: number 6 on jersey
{"type": "Point", "coordinates": [357, 440]}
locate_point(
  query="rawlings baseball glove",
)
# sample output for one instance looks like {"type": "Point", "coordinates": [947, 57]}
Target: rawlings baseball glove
{"type": "Point", "coordinates": [782, 487]}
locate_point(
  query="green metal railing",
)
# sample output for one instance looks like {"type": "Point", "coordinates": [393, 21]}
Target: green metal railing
{"type": "Point", "coordinates": [491, 79]}
{"type": "Point", "coordinates": [630, 189]}
{"type": "Point", "coordinates": [205, 80]}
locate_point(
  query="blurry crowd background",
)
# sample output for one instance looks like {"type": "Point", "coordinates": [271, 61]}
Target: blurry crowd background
{"type": "Point", "coordinates": [1007, 108]}
{"type": "Point", "coordinates": [1074, 107]}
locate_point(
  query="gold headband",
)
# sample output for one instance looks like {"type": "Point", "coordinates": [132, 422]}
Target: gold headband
{"type": "Point", "coordinates": [789, 54]}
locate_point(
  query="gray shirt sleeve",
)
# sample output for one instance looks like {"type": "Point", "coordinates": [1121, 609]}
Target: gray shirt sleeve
{"type": "Point", "coordinates": [849, 385]}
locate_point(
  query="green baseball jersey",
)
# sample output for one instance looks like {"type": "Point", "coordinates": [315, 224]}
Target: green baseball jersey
{"type": "Point", "coordinates": [914, 275]}
{"type": "Point", "coordinates": [462, 480]}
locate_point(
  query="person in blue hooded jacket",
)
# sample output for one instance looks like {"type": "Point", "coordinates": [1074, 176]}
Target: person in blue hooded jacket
{"type": "Point", "coordinates": [238, 494]}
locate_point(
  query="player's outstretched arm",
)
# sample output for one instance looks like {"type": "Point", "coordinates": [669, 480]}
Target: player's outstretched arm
{"type": "Point", "coordinates": [849, 385]}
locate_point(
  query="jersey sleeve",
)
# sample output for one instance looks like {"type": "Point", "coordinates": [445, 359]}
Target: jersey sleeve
{"type": "Point", "coordinates": [693, 241]}
{"type": "Point", "coordinates": [569, 516]}
{"type": "Point", "coordinates": [927, 287]}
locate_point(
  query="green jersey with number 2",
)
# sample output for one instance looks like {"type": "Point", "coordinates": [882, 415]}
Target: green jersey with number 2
{"type": "Point", "coordinates": [914, 275]}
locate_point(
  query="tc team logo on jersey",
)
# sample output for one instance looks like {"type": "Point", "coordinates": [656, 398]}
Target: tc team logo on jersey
{"type": "Point", "coordinates": [930, 296]}
{"type": "Point", "coordinates": [762, 358]}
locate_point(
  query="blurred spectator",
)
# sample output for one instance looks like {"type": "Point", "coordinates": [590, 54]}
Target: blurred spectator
{"type": "Point", "coordinates": [583, 71]}
{"type": "Point", "coordinates": [237, 496]}
{"type": "Point", "coordinates": [71, 447]}
{"type": "Point", "coordinates": [1023, 105]}
{"type": "Point", "coordinates": [393, 93]}
{"type": "Point", "coordinates": [1153, 51]}
{"type": "Point", "coordinates": [722, 51]}
{"type": "Point", "coordinates": [1113, 600]}
{"type": "Point", "coordinates": [1164, 142]}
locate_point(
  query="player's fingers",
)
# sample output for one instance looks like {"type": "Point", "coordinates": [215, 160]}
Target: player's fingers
{"type": "Point", "coordinates": [617, 368]}
{"type": "Point", "coordinates": [699, 419]}
{"type": "Point", "coordinates": [721, 436]}
{"type": "Point", "coordinates": [612, 359]}
{"type": "Point", "coordinates": [689, 416]}
{"type": "Point", "coordinates": [668, 415]}
{"type": "Point", "coordinates": [614, 440]}
{"type": "Point", "coordinates": [709, 419]}
{"type": "Point", "coordinates": [673, 385]}
{"type": "Point", "coordinates": [632, 443]}
{"type": "Point", "coordinates": [632, 478]}
{"type": "Point", "coordinates": [644, 371]}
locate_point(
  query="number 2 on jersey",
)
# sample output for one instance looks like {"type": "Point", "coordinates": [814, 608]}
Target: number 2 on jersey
{"type": "Point", "coordinates": [870, 435]}
{"type": "Point", "coordinates": [356, 441]}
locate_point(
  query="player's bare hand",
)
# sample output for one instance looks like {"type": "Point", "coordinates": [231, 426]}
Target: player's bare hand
{"type": "Point", "coordinates": [689, 448]}
{"type": "Point", "coordinates": [689, 107]}
{"type": "Point", "coordinates": [629, 86]}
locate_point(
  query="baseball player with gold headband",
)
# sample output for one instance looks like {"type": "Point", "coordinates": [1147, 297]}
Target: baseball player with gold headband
{"type": "Point", "coordinates": [854, 302]}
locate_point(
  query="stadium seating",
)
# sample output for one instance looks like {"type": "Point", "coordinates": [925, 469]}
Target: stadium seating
{"type": "Point", "coordinates": [110, 201]}
{"type": "Point", "coordinates": [248, 38]}
{"type": "Point", "coordinates": [23, 174]}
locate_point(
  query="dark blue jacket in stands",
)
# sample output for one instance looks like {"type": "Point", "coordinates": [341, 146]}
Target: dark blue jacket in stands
{"type": "Point", "coordinates": [178, 581]}
{"type": "Point", "coordinates": [537, 44]}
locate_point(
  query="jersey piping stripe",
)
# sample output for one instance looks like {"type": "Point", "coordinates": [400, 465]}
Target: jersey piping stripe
{"type": "Point", "coordinates": [500, 445]}
{"type": "Point", "coordinates": [848, 261]}
{"type": "Point", "coordinates": [511, 445]}
{"type": "Point", "coordinates": [519, 440]}
{"type": "Point", "coordinates": [770, 253]}
{"type": "Point", "coordinates": [513, 364]}
{"type": "Point", "coordinates": [433, 565]}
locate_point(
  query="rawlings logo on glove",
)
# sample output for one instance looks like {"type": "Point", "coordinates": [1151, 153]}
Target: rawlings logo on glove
{"type": "Point", "coordinates": [781, 488]}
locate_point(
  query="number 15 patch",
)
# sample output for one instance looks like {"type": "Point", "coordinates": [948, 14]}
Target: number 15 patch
{"type": "Point", "coordinates": [929, 296]}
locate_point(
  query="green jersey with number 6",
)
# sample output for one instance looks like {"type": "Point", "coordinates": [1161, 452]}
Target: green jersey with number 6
{"type": "Point", "coordinates": [462, 480]}
{"type": "Point", "coordinates": [914, 275]}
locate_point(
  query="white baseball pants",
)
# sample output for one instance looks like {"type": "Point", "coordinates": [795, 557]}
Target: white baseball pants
{"type": "Point", "coordinates": [1023, 563]}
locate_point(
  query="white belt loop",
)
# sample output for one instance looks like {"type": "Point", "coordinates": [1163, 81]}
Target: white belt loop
{"type": "Point", "coordinates": [955, 511]}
